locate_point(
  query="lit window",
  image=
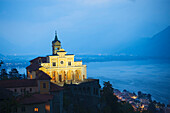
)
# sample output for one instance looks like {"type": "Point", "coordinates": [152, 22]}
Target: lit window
{"type": "Point", "coordinates": [69, 63]}
{"type": "Point", "coordinates": [36, 109]}
{"type": "Point", "coordinates": [44, 85]}
{"type": "Point", "coordinates": [30, 76]}
{"type": "Point", "coordinates": [54, 64]}
{"type": "Point", "coordinates": [62, 62]}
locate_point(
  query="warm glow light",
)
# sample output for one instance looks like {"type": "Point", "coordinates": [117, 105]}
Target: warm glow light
{"type": "Point", "coordinates": [36, 109]}
{"type": "Point", "coordinates": [142, 106]}
{"type": "Point", "coordinates": [30, 76]}
{"type": "Point", "coordinates": [134, 97]}
{"type": "Point", "coordinates": [47, 108]}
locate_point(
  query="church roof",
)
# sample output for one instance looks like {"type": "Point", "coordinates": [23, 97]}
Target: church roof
{"type": "Point", "coordinates": [61, 50]}
{"type": "Point", "coordinates": [33, 67]}
{"type": "Point", "coordinates": [43, 59]}
{"type": "Point", "coordinates": [40, 75]}
{"type": "Point", "coordinates": [55, 87]}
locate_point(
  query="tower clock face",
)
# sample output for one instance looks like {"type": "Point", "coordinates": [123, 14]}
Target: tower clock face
{"type": "Point", "coordinates": [62, 62]}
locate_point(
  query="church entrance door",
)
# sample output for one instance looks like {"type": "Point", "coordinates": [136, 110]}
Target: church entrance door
{"type": "Point", "coordinates": [60, 78]}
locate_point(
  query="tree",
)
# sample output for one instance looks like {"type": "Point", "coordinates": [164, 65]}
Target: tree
{"type": "Point", "coordinates": [139, 94]}
{"type": "Point", "coordinates": [8, 102]}
{"type": "Point", "coordinates": [149, 97]}
{"type": "Point", "coordinates": [127, 108]}
{"type": "Point", "coordinates": [109, 102]}
{"type": "Point", "coordinates": [14, 74]}
{"type": "Point", "coordinates": [4, 75]}
{"type": "Point", "coordinates": [9, 105]}
{"type": "Point", "coordinates": [1, 63]}
{"type": "Point", "coordinates": [151, 108]}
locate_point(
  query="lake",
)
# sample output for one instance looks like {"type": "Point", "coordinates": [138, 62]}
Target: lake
{"type": "Point", "coordinates": [148, 76]}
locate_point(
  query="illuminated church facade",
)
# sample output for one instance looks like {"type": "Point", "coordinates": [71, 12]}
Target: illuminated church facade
{"type": "Point", "coordinates": [60, 66]}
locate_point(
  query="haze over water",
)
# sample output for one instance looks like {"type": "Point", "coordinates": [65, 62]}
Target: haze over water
{"type": "Point", "coordinates": [148, 76]}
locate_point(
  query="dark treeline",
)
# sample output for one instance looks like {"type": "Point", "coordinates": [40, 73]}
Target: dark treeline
{"type": "Point", "coordinates": [12, 75]}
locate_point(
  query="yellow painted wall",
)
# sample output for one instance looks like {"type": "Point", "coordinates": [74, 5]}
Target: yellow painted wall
{"type": "Point", "coordinates": [44, 90]}
{"type": "Point", "coordinates": [63, 69]}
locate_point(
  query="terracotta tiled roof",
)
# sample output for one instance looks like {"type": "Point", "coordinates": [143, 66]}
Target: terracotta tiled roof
{"type": "Point", "coordinates": [55, 87]}
{"type": "Point", "coordinates": [40, 75]}
{"type": "Point", "coordinates": [18, 83]}
{"type": "Point", "coordinates": [35, 99]}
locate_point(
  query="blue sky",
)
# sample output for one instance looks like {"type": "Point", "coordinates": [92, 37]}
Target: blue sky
{"type": "Point", "coordinates": [83, 26]}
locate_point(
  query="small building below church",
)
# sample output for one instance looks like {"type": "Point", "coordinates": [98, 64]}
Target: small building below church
{"type": "Point", "coordinates": [32, 95]}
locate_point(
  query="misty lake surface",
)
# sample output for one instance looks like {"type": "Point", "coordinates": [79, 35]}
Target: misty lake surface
{"type": "Point", "coordinates": [148, 76]}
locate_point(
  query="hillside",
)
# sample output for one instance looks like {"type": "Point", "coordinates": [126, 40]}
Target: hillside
{"type": "Point", "coordinates": [157, 46]}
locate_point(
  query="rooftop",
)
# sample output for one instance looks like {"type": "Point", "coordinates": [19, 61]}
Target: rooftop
{"type": "Point", "coordinates": [42, 76]}
{"type": "Point", "coordinates": [18, 83]}
{"type": "Point", "coordinates": [35, 99]}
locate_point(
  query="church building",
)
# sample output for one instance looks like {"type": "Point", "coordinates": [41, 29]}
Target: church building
{"type": "Point", "coordinates": [60, 66]}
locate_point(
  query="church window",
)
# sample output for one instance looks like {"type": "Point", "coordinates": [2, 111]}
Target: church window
{"type": "Point", "coordinates": [94, 91]}
{"type": "Point", "coordinates": [39, 61]}
{"type": "Point", "coordinates": [62, 62]}
{"type": "Point", "coordinates": [69, 63]}
{"type": "Point", "coordinates": [44, 85]}
{"type": "Point", "coordinates": [97, 93]}
{"type": "Point", "coordinates": [54, 64]}
{"type": "Point", "coordinates": [30, 76]}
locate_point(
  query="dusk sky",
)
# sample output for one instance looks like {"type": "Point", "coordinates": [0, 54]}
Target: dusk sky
{"type": "Point", "coordinates": [83, 26]}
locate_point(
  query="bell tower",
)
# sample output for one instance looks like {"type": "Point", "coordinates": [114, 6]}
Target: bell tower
{"type": "Point", "coordinates": [56, 44]}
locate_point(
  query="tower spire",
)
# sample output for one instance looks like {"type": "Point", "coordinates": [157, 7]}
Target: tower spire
{"type": "Point", "coordinates": [56, 44]}
{"type": "Point", "coordinates": [56, 38]}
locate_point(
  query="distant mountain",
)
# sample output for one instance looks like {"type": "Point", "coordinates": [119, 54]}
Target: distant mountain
{"type": "Point", "coordinates": [157, 46]}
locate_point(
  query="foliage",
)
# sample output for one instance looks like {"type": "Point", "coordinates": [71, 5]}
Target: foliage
{"type": "Point", "coordinates": [8, 105]}
{"type": "Point", "coordinates": [13, 75]}
{"type": "Point", "coordinates": [127, 108]}
{"type": "Point", "coordinates": [109, 102]}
